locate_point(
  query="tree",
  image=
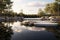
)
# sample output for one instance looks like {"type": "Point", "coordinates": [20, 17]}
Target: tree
{"type": "Point", "coordinates": [5, 31]}
{"type": "Point", "coordinates": [21, 13]}
{"type": "Point", "coordinates": [57, 0]}
{"type": "Point", "coordinates": [53, 8]}
{"type": "Point", "coordinates": [5, 5]}
{"type": "Point", "coordinates": [41, 13]}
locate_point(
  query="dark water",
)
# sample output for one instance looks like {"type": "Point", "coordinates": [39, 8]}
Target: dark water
{"type": "Point", "coordinates": [34, 35]}
{"type": "Point", "coordinates": [31, 33]}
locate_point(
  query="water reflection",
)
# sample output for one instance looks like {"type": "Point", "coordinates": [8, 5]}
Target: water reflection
{"type": "Point", "coordinates": [17, 27]}
{"type": "Point", "coordinates": [5, 32]}
{"type": "Point", "coordinates": [36, 28]}
{"type": "Point", "coordinates": [22, 32]}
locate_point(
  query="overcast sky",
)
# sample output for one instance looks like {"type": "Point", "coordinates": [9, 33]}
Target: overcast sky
{"type": "Point", "coordinates": [29, 6]}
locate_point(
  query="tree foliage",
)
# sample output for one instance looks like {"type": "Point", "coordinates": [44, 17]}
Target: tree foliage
{"type": "Point", "coordinates": [5, 5]}
{"type": "Point", "coordinates": [41, 13]}
{"type": "Point", "coordinates": [5, 31]}
{"type": "Point", "coordinates": [53, 8]}
{"type": "Point", "coordinates": [57, 0]}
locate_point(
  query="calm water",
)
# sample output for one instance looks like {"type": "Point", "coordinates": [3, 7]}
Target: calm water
{"type": "Point", "coordinates": [22, 32]}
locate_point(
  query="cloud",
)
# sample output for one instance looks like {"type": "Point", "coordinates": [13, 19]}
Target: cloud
{"type": "Point", "coordinates": [29, 6]}
{"type": "Point", "coordinates": [37, 4]}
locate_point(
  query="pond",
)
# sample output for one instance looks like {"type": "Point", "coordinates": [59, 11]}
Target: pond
{"type": "Point", "coordinates": [22, 32]}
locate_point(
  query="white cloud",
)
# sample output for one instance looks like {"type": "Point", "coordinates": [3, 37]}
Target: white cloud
{"type": "Point", "coordinates": [37, 4]}
{"type": "Point", "coordinates": [29, 7]}
{"type": "Point", "coordinates": [33, 7]}
{"type": "Point", "coordinates": [17, 5]}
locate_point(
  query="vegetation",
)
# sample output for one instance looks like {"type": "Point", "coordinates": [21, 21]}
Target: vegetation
{"type": "Point", "coordinates": [30, 16]}
{"type": "Point", "coordinates": [53, 8]}
{"type": "Point", "coordinates": [5, 6]}
{"type": "Point", "coordinates": [41, 13]}
{"type": "Point", "coordinates": [5, 31]}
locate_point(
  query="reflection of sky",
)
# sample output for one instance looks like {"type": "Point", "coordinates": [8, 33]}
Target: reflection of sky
{"type": "Point", "coordinates": [18, 28]}
{"type": "Point", "coordinates": [36, 28]}
{"type": "Point", "coordinates": [30, 33]}
{"type": "Point", "coordinates": [29, 6]}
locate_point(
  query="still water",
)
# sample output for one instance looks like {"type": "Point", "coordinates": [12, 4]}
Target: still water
{"type": "Point", "coordinates": [22, 32]}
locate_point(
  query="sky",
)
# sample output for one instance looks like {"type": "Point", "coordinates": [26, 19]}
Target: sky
{"type": "Point", "coordinates": [29, 6]}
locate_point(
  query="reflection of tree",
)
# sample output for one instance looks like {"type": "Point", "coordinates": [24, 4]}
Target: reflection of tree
{"type": "Point", "coordinates": [56, 31]}
{"type": "Point", "coordinates": [5, 32]}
